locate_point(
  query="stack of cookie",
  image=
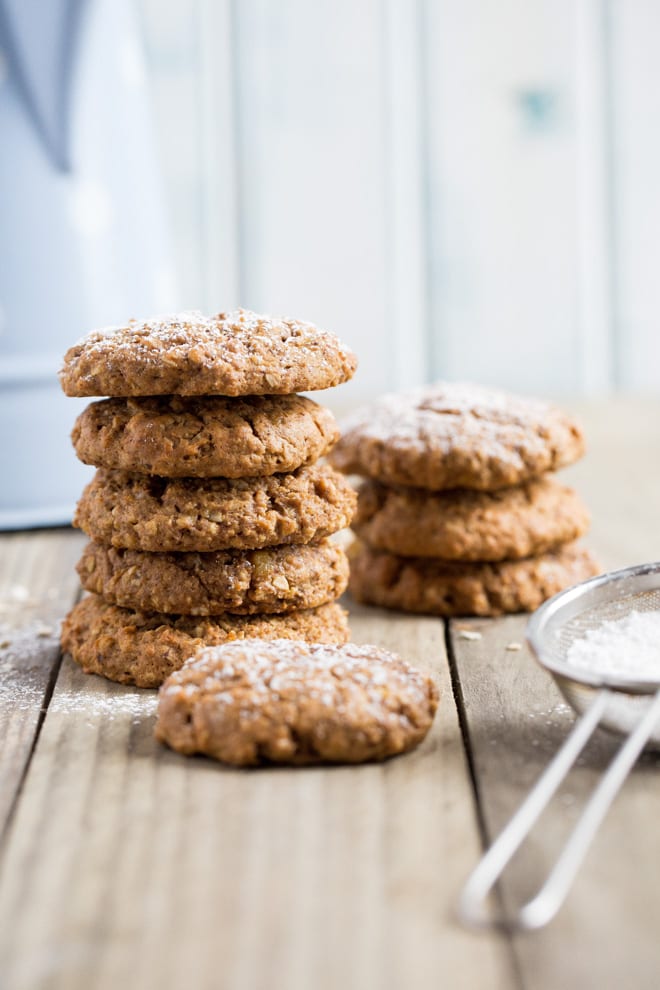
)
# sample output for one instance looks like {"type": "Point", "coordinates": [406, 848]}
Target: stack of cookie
{"type": "Point", "coordinates": [459, 514]}
{"type": "Point", "coordinates": [210, 512]}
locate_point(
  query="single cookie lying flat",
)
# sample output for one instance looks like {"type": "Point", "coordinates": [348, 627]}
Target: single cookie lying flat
{"type": "Point", "coordinates": [457, 436]}
{"type": "Point", "coordinates": [214, 436]}
{"type": "Point", "coordinates": [239, 353]}
{"type": "Point", "coordinates": [140, 512]}
{"type": "Point", "coordinates": [244, 582]}
{"type": "Point", "coordinates": [422, 584]}
{"type": "Point", "coordinates": [286, 702]}
{"type": "Point", "coordinates": [463, 524]}
{"type": "Point", "coordinates": [143, 648]}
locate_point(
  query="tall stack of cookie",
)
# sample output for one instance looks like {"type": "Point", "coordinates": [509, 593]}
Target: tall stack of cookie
{"type": "Point", "coordinates": [459, 514]}
{"type": "Point", "coordinates": [210, 512]}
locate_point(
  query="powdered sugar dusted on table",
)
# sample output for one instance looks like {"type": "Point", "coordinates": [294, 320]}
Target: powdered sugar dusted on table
{"type": "Point", "coordinates": [627, 648]}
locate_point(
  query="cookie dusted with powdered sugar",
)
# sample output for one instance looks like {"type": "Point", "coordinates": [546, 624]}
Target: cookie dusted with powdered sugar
{"type": "Point", "coordinates": [457, 436]}
{"type": "Point", "coordinates": [243, 582]}
{"type": "Point", "coordinates": [464, 524]}
{"type": "Point", "coordinates": [143, 648]}
{"type": "Point", "coordinates": [208, 436]}
{"type": "Point", "coordinates": [434, 587]}
{"type": "Point", "coordinates": [287, 702]}
{"type": "Point", "coordinates": [237, 353]}
{"type": "Point", "coordinates": [140, 512]}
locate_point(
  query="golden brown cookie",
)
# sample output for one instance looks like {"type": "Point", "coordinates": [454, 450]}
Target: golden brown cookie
{"type": "Point", "coordinates": [464, 524]}
{"type": "Point", "coordinates": [434, 587]}
{"type": "Point", "coordinates": [244, 582]}
{"type": "Point", "coordinates": [140, 512]}
{"type": "Point", "coordinates": [288, 702]}
{"type": "Point", "coordinates": [143, 648]}
{"type": "Point", "coordinates": [238, 353]}
{"type": "Point", "coordinates": [457, 436]}
{"type": "Point", "coordinates": [213, 436]}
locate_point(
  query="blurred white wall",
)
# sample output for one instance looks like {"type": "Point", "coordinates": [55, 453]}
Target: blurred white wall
{"type": "Point", "coordinates": [460, 188]}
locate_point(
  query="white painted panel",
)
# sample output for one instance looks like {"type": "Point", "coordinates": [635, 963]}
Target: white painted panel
{"type": "Point", "coordinates": [218, 159]}
{"type": "Point", "coordinates": [503, 192]}
{"type": "Point", "coordinates": [172, 37]}
{"type": "Point", "coordinates": [594, 198]}
{"type": "Point", "coordinates": [405, 206]}
{"type": "Point", "coordinates": [635, 45]}
{"type": "Point", "coordinates": [314, 188]}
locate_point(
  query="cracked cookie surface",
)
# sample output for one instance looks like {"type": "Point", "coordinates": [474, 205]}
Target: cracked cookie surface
{"type": "Point", "coordinates": [237, 353]}
{"type": "Point", "coordinates": [243, 582]}
{"type": "Point", "coordinates": [434, 587]}
{"type": "Point", "coordinates": [143, 648]}
{"type": "Point", "coordinates": [457, 436]}
{"type": "Point", "coordinates": [254, 702]}
{"type": "Point", "coordinates": [213, 436]}
{"type": "Point", "coordinates": [464, 524]}
{"type": "Point", "coordinates": [140, 512]}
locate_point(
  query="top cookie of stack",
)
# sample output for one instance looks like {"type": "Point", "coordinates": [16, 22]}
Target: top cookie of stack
{"type": "Point", "coordinates": [209, 515]}
{"type": "Point", "coordinates": [459, 515]}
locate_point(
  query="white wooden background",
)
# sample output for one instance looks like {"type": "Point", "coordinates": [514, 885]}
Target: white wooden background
{"type": "Point", "coordinates": [460, 188]}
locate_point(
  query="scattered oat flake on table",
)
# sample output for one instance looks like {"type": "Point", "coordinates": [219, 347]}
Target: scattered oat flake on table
{"type": "Point", "coordinates": [469, 634]}
{"type": "Point", "coordinates": [514, 646]}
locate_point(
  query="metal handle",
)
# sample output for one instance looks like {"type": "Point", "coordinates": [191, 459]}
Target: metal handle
{"type": "Point", "coordinates": [545, 904]}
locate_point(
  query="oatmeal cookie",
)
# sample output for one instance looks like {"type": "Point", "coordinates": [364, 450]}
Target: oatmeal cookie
{"type": "Point", "coordinates": [434, 587]}
{"type": "Point", "coordinates": [143, 512]}
{"type": "Point", "coordinates": [288, 702]}
{"type": "Point", "coordinates": [213, 436]}
{"type": "Point", "coordinates": [143, 648]}
{"type": "Point", "coordinates": [243, 582]}
{"type": "Point", "coordinates": [238, 353]}
{"type": "Point", "coordinates": [457, 436]}
{"type": "Point", "coordinates": [464, 524]}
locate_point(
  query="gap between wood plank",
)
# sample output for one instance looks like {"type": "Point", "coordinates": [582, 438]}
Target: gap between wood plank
{"type": "Point", "coordinates": [40, 562]}
{"type": "Point", "coordinates": [48, 694]}
{"type": "Point", "coordinates": [482, 827]}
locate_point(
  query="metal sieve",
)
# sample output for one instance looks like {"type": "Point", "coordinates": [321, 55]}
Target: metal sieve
{"type": "Point", "coordinates": [628, 705]}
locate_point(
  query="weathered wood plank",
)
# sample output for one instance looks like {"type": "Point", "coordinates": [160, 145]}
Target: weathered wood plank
{"type": "Point", "coordinates": [127, 863]}
{"type": "Point", "coordinates": [606, 934]}
{"type": "Point", "coordinates": [37, 585]}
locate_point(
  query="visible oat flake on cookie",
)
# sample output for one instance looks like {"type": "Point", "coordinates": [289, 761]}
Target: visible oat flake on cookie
{"type": "Point", "coordinates": [457, 436]}
{"type": "Point", "coordinates": [237, 353]}
{"type": "Point", "coordinates": [142, 512]}
{"type": "Point", "coordinates": [143, 648]}
{"type": "Point", "coordinates": [243, 582]}
{"type": "Point", "coordinates": [465, 524]}
{"type": "Point", "coordinates": [434, 587]}
{"type": "Point", "coordinates": [204, 436]}
{"type": "Point", "coordinates": [291, 702]}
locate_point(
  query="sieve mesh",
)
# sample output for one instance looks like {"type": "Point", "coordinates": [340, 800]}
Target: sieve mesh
{"type": "Point", "coordinates": [554, 628]}
{"type": "Point", "coordinates": [593, 616]}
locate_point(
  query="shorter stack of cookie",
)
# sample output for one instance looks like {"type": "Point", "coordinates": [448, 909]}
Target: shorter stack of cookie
{"type": "Point", "coordinates": [210, 512]}
{"type": "Point", "coordinates": [459, 514]}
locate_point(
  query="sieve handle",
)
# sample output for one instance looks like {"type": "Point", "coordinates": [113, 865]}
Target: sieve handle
{"type": "Point", "coordinates": [545, 904]}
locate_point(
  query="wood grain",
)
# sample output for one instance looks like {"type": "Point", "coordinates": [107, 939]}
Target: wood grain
{"type": "Point", "coordinates": [130, 864]}
{"type": "Point", "coordinates": [37, 586]}
{"type": "Point", "coordinates": [606, 933]}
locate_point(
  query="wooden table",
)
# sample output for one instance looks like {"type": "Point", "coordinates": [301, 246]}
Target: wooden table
{"type": "Point", "coordinates": [125, 865]}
